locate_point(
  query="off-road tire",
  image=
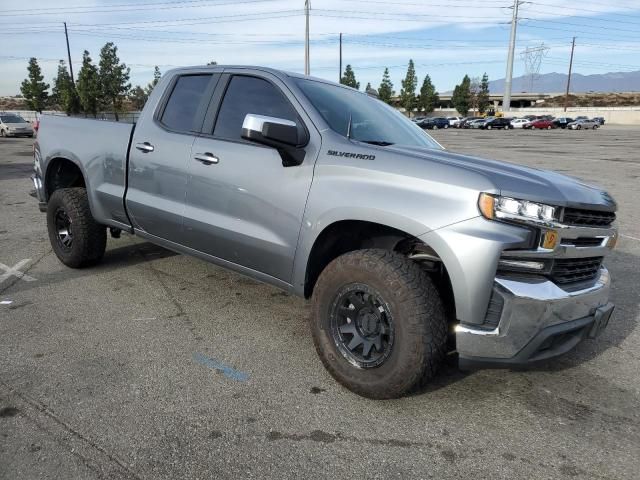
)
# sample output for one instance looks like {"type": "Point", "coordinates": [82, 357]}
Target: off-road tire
{"type": "Point", "coordinates": [419, 320]}
{"type": "Point", "coordinates": [89, 239]}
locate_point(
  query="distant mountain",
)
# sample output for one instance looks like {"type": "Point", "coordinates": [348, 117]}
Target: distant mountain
{"type": "Point", "coordinates": [557, 83]}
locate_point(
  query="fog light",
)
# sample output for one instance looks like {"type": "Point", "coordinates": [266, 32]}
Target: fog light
{"type": "Point", "coordinates": [613, 240]}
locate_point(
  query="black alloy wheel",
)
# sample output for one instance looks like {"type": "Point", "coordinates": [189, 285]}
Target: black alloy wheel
{"type": "Point", "coordinates": [64, 229]}
{"type": "Point", "coordinates": [362, 326]}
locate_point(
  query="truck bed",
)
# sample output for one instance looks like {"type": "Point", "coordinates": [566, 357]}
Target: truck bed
{"type": "Point", "coordinates": [100, 149]}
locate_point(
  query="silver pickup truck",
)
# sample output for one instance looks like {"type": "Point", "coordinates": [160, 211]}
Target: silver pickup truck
{"type": "Point", "coordinates": [407, 251]}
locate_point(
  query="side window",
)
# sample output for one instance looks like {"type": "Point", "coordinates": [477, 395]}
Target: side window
{"type": "Point", "coordinates": [181, 110]}
{"type": "Point", "coordinates": [250, 95]}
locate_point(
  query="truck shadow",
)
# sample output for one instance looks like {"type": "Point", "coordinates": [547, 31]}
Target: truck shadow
{"type": "Point", "coordinates": [114, 258]}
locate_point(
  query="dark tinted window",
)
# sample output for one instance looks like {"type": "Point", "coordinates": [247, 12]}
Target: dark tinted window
{"type": "Point", "coordinates": [250, 95]}
{"type": "Point", "coordinates": [184, 102]}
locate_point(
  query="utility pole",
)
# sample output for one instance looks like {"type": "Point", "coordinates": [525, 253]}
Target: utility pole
{"type": "Point", "coordinates": [307, 6]}
{"type": "Point", "coordinates": [566, 96]}
{"type": "Point", "coordinates": [340, 68]}
{"type": "Point", "coordinates": [69, 54]}
{"type": "Point", "coordinates": [506, 100]}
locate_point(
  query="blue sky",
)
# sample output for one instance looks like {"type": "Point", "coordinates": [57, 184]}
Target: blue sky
{"type": "Point", "coordinates": [445, 38]}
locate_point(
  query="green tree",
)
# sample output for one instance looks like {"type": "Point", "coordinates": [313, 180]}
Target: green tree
{"type": "Point", "coordinates": [408, 98]}
{"type": "Point", "coordinates": [483, 94]}
{"type": "Point", "coordinates": [461, 97]}
{"type": "Point", "coordinates": [114, 78]}
{"type": "Point", "coordinates": [154, 82]}
{"type": "Point", "coordinates": [138, 97]}
{"type": "Point", "coordinates": [34, 89]}
{"type": "Point", "coordinates": [429, 98]}
{"type": "Point", "coordinates": [88, 86]}
{"type": "Point", "coordinates": [385, 91]}
{"type": "Point", "coordinates": [349, 78]}
{"type": "Point", "coordinates": [63, 93]}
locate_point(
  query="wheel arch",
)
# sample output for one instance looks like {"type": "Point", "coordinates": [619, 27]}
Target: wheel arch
{"type": "Point", "coordinates": [63, 172]}
{"type": "Point", "coordinates": [343, 236]}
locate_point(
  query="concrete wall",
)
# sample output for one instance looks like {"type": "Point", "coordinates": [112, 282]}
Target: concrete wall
{"type": "Point", "coordinates": [30, 116]}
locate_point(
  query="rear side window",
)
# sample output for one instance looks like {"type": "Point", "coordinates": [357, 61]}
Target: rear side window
{"type": "Point", "coordinates": [250, 95]}
{"type": "Point", "coordinates": [181, 111]}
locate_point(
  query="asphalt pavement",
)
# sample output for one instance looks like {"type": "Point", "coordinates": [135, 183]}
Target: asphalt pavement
{"type": "Point", "coordinates": [154, 365]}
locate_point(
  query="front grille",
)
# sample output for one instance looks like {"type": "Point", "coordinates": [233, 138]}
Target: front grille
{"type": "Point", "coordinates": [573, 270]}
{"type": "Point", "coordinates": [587, 218]}
{"type": "Point", "coordinates": [583, 241]}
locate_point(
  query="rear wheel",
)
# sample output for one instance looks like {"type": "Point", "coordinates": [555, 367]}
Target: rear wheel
{"type": "Point", "coordinates": [2, 133]}
{"type": "Point", "coordinates": [596, 127]}
{"type": "Point", "coordinates": [378, 323]}
{"type": "Point", "coordinates": [77, 240]}
{"type": "Point", "coordinates": [489, 127]}
{"type": "Point", "coordinates": [579, 127]}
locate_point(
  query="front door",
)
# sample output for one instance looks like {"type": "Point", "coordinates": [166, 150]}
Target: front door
{"type": "Point", "coordinates": [244, 206]}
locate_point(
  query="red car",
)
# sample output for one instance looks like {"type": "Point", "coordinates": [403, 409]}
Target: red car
{"type": "Point", "coordinates": [548, 124]}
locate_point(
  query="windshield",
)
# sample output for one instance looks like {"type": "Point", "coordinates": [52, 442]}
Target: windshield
{"type": "Point", "coordinates": [361, 117]}
{"type": "Point", "coordinates": [12, 119]}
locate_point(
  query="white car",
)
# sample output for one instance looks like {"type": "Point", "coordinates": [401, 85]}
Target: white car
{"type": "Point", "coordinates": [12, 125]}
{"type": "Point", "coordinates": [454, 121]}
{"type": "Point", "coordinates": [520, 122]}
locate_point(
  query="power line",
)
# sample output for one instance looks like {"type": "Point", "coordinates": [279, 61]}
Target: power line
{"type": "Point", "coordinates": [134, 7]}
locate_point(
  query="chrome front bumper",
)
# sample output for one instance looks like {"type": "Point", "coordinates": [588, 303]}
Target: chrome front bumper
{"type": "Point", "coordinates": [534, 310]}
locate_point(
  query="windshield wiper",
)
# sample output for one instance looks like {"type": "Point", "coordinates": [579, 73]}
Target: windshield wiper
{"type": "Point", "coordinates": [380, 143]}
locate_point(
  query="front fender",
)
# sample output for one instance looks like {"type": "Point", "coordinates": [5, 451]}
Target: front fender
{"type": "Point", "coordinates": [470, 251]}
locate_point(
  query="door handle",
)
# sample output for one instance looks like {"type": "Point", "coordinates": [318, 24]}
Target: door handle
{"type": "Point", "coordinates": [206, 158]}
{"type": "Point", "coordinates": [145, 147]}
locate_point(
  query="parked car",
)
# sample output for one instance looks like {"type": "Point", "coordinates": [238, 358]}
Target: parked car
{"type": "Point", "coordinates": [584, 124]}
{"type": "Point", "coordinates": [404, 249]}
{"type": "Point", "coordinates": [562, 122]}
{"type": "Point", "coordinates": [541, 124]}
{"type": "Point", "coordinates": [12, 125]}
{"type": "Point", "coordinates": [600, 120]}
{"type": "Point", "coordinates": [454, 121]}
{"type": "Point", "coordinates": [433, 123]}
{"type": "Point", "coordinates": [499, 123]}
{"type": "Point", "coordinates": [441, 122]}
{"type": "Point", "coordinates": [520, 123]}
{"type": "Point", "coordinates": [466, 123]}
{"type": "Point", "coordinates": [478, 123]}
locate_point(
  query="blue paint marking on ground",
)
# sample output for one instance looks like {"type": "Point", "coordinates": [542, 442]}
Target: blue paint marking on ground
{"type": "Point", "coordinates": [227, 371]}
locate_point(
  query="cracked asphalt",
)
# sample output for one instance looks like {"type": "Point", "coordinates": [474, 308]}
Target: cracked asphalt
{"type": "Point", "coordinates": [159, 366]}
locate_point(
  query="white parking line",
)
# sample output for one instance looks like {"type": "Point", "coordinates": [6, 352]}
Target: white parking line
{"type": "Point", "coordinates": [629, 236]}
{"type": "Point", "coordinates": [15, 271]}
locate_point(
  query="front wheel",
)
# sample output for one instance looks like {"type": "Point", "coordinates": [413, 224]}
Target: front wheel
{"type": "Point", "coordinates": [378, 323]}
{"type": "Point", "coordinates": [596, 127]}
{"type": "Point", "coordinates": [579, 127]}
{"type": "Point", "coordinates": [446, 126]}
{"type": "Point", "coordinates": [77, 240]}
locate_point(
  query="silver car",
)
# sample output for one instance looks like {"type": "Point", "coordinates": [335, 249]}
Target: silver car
{"type": "Point", "coordinates": [583, 124]}
{"type": "Point", "coordinates": [12, 125]}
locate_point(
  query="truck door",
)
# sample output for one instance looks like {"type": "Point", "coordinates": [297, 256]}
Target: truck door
{"type": "Point", "coordinates": [160, 155]}
{"type": "Point", "coordinates": [242, 204]}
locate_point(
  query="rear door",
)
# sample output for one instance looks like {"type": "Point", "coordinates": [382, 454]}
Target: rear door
{"type": "Point", "coordinates": [247, 208]}
{"type": "Point", "coordinates": [160, 155]}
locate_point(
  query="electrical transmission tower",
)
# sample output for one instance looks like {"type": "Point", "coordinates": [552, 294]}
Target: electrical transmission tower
{"type": "Point", "coordinates": [532, 58]}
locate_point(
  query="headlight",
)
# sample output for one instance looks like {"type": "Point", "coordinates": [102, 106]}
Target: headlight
{"type": "Point", "coordinates": [496, 207]}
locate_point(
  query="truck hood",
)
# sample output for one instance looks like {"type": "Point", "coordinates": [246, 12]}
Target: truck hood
{"type": "Point", "coordinates": [518, 181]}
